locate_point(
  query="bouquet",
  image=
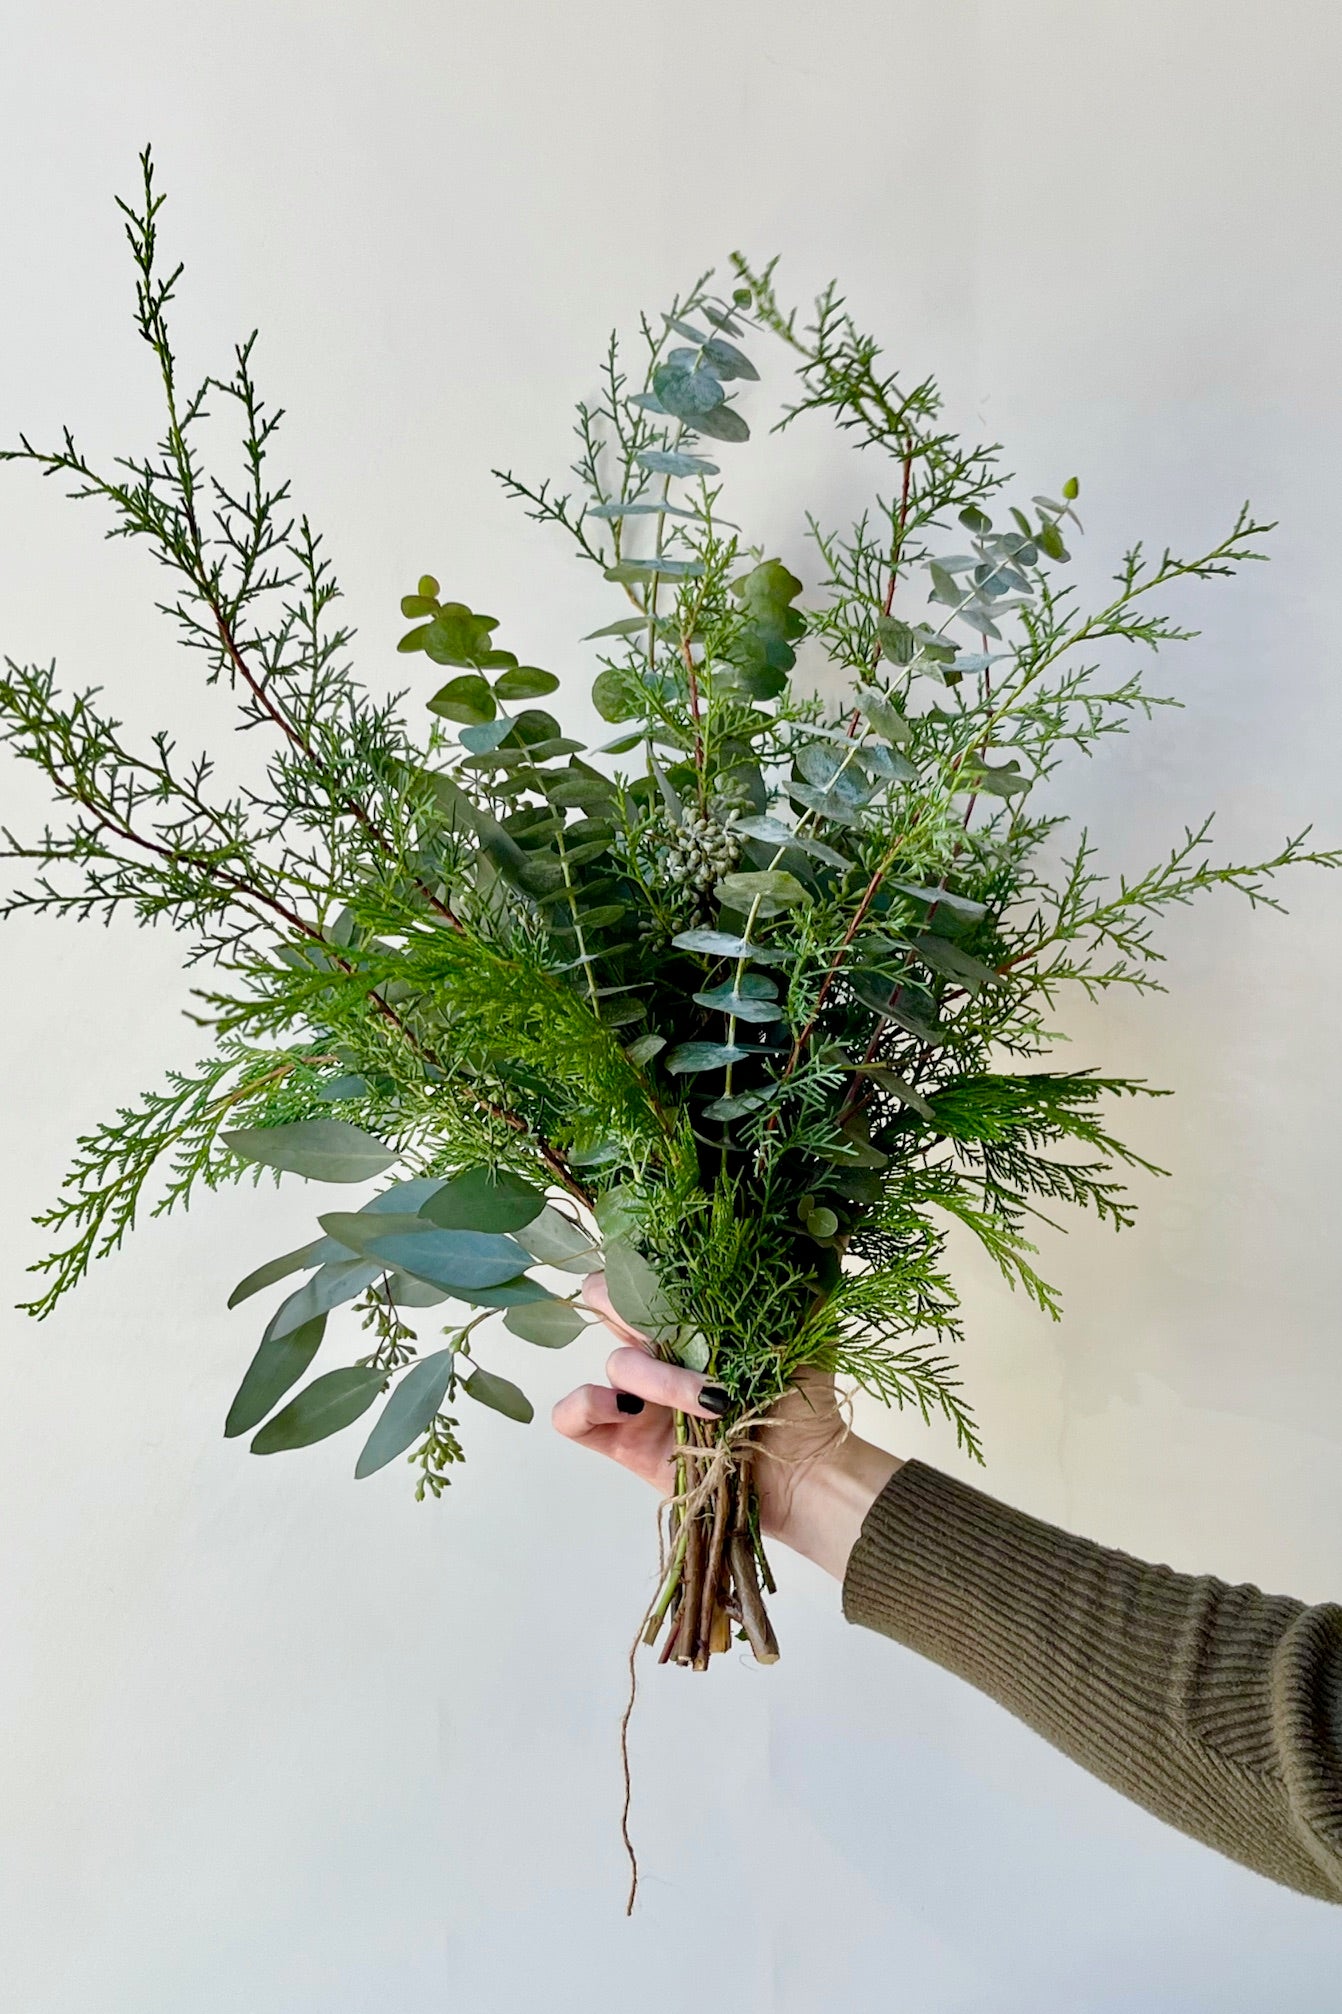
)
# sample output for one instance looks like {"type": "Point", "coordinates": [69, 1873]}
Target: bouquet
{"type": "Point", "coordinates": [747, 1007]}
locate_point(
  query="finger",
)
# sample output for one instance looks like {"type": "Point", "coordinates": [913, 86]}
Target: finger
{"type": "Point", "coordinates": [587, 1410]}
{"type": "Point", "coordinates": [633, 1370]}
{"type": "Point", "coordinates": [596, 1296]}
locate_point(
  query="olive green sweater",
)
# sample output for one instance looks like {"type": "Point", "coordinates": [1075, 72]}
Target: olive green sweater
{"type": "Point", "coordinates": [1219, 1708]}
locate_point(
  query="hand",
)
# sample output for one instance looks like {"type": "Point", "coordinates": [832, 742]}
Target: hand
{"type": "Point", "coordinates": [816, 1480]}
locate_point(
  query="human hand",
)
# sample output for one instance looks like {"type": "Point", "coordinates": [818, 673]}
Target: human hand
{"type": "Point", "coordinates": [816, 1480]}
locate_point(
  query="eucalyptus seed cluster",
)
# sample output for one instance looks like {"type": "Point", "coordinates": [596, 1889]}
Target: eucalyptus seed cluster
{"type": "Point", "coordinates": [699, 850]}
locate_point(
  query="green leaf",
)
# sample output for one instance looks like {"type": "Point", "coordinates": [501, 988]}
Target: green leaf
{"type": "Point", "coordinates": [646, 1047]}
{"type": "Point", "coordinates": [884, 716]}
{"type": "Point", "coordinates": [772, 832]}
{"type": "Point", "coordinates": [468, 698]}
{"type": "Point", "coordinates": [692, 1057]}
{"type": "Point", "coordinates": [457, 635]}
{"type": "Point", "coordinates": [628, 625]}
{"type": "Point", "coordinates": [354, 1228]}
{"type": "Point", "coordinates": [512, 1294]}
{"type": "Point", "coordinates": [526, 681]}
{"type": "Point", "coordinates": [821, 1224]}
{"type": "Point", "coordinates": [611, 696]}
{"type": "Point", "coordinates": [692, 1350]}
{"type": "Point", "coordinates": [325, 1406]}
{"type": "Point", "coordinates": [742, 1102]}
{"type": "Point", "coordinates": [890, 1080]}
{"type": "Point", "coordinates": [315, 1254]}
{"type": "Point", "coordinates": [726, 360]}
{"type": "Point", "coordinates": [551, 1325]}
{"type": "Point", "coordinates": [484, 1199]}
{"type": "Point", "coordinates": [276, 1367]}
{"type": "Point", "coordinates": [404, 1292]}
{"type": "Point", "coordinates": [324, 1150]}
{"type": "Point", "coordinates": [636, 1292]}
{"type": "Point", "coordinates": [745, 1007]}
{"type": "Point", "coordinates": [629, 571]}
{"type": "Point", "coordinates": [941, 898]}
{"type": "Point", "coordinates": [773, 891]}
{"type": "Point", "coordinates": [453, 1259]}
{"type": "Point", "coordinates": [403, 1197]}
{"type": "Point", "coordinates": [995, 779]}
{"type": "Point", "coordinates": [722, 944]}
{"type": "Point", "coordinates": [576, 788]}
{"type": "Point", "coordinates": [555, 1240]}
{"type": "Point", "coordinates": [623, 510]}
{"type": "Point", "coordinates": [839, 810]}
{"type": "Point", "coordinates": [502, 1396]}
{"type": "Point", "coordinates": [666, 462]}
{"type": "Point", "coordinates": [688, 394]}
{"type": "Point", "coordinates": [721, 423]}
{"type": "Point", "coordinates": [949, 959]}
{"type": "Point", "coordinates": [338, 1281]}
{"type": "Point", "coordinates": [408, 1413]}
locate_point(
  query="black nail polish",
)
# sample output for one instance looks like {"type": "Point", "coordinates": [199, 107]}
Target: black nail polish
{"type": "Point", "coordinates": [628, 1402]}
{"type": "Point", "coordinates": [715, 1399]}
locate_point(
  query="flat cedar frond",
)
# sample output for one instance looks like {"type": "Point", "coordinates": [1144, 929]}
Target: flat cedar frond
{"type": "Point", "coordinates": [760, 992]}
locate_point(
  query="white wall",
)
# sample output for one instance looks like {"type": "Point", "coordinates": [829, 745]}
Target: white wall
{"type": "Point", "coordinates": [278, 1744]}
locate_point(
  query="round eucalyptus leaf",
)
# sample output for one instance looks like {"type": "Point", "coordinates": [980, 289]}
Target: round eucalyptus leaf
{"type": "Point", "coordinates": [467, 699]}
{"type": "Point", "coordinates": [721, 423]}
{"type": "Point", "coordinates": [527, 681]}
{"type": "Point", "coordinates": [692, 1057]}
{"type": "Point", "coordinates": [667, 462]}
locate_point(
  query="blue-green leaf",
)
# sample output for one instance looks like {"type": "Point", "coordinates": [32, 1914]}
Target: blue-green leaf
{"type": "Point", "coordinates": [338, 1281]}
{"type": "Point", "coordinates": [484, 1199]}
{"type": "Point", "coordinates": [668, 462]}
{"type": "Point", "coordinates": [499, 1394]}
{"type": "Point", "coordinates": [773, 832]}
{"type": "Point", "coordinates": [721, 423]}
{"type": "Point", "coordinates": [692, 1057]}
{"type": "Point", "coordinates": [635, 1291]}
{"type": "Point", "coordinates": [551, 1325]}
{"type": "Point", "coordinates": [628, 570]}
{"type": "Point", "coordinates": [324, 1150]}
{"type": "Point", "coordinates": [278, 1364]}
{"type": "Point", "coordinates": [321, 1409]}
{"type": "Point", "coordinates": [408, 1413]}
{"type": "Point", "coordinates": [941, 898]}
{"type": "Point", "coordinates": [307, 1256]}
{"type": "Point", "coordinates": [689, 394]}
{"type": "Point", "coordinates": [722, 944]}
{"type": "Point", "coordinates": [453, 1259]}
{"type": "Point", "coordinates": [623, 510]}
{"type": "Point", "coordinates": [741, 1005]}
{"type": "Point", "coordinates": [727, 360]}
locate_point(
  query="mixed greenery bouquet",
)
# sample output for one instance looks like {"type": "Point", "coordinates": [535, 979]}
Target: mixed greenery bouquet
{"type": "Point", "coordinates": [747, 1006]}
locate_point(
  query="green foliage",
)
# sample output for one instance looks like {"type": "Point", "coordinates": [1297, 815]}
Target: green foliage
{"type": "Point", "coordinates": [759, 994]}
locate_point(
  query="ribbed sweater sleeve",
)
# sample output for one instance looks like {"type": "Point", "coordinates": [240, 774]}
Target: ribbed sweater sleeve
{"type": "Point", "coordinates": [1218, 1708]}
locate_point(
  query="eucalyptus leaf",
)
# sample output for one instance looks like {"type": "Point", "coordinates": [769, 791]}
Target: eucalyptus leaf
{"type": "Point", "coordinates": [324, 1150]}
{"type": "Point", "coordinates": [484, 1199]}
{"type": "Point", "coordinates": [452, 1259]}
{"type": "Point", "coordinates": [721, 423]}
{"type": "Point", "coordinates": [466, 699]}
{"type": "Point", "coordinates": [690, 395]}
{"type": "Point", "coordinates": [774, 833]}
{"type": "Point", "coordinates": [336, 1282]}
{"type": "Point", "coordinates": [691, 1057]}
{"type": "Point", "coordinates": [354, 1228]}
{"type": "Point", "coordinates": [941, 898]}
{"type": "Point", "coordinates": [553, 1239]}
{"type": "Point", "coordinates": [500, 1395]}
{"type": "Point", "coordinates": [408, 1414]}
{"type": "Point", "coordinates": [727, 360]}
{"type": "Point", "coordinates": [527, 681]}
{"type": "Point", "coordinates": [323, 1408]}
{"type": "Point", "coordinates": [277, 1366]}
{"type": "Point", "coordinates": [724, 1000]}
{"type": "Point", "coordinates": [771, 891]}
{"type": "Point", "coordinates": [306, 1257]}
{"type": "Point", "coordinates": [636, 1292]}
{"type": "Point", "coordinates": [724, 944]}
{"type": "Point", "coordinates": [551, 1325]}
{"type": "Point", "coordinates": [692, 1351]}
{"type": "Point", "coordinates": [667, 462]}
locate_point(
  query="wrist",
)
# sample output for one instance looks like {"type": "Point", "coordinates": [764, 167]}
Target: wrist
{"type": "Point", "coordinates": [830, 1500]}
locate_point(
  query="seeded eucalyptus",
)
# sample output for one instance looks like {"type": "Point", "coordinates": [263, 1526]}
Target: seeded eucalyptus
{"type": "Point", "coordinates": [747, 1005]}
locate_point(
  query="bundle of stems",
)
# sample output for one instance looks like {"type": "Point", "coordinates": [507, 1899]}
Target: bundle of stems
{"type": "Point", "coordinates": [749, 1006]}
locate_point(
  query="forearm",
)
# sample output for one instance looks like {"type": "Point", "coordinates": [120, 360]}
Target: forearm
{"type": "Point", "coordinates": [1217, 1707]}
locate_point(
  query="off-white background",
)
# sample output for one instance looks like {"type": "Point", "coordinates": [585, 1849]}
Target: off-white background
{"type": "Point", "coordinates": [277, 1744]}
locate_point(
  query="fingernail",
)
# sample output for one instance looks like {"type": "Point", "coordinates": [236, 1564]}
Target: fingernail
{"type": "Point", "coordinates": [715, 1399]}
{"type": "Point", "coordinates": [628, 1402]}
